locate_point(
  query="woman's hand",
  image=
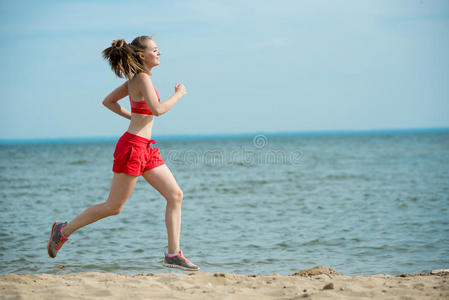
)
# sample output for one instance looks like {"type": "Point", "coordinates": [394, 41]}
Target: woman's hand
{"type": "Point", "coordinates": [180, 89]}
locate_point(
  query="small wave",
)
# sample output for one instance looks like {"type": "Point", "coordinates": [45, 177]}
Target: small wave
{"type": "Point", "coordinates": [345, 176]}
{"type": "Point", "coordinates": [60, 189]}
{"type": "Point", "coordinates": [23, 194]}
{"type": "Point", "coordinates": [254, 246]}
{"type": "Point", "coordinates": [79, 162]}
{"type": "Point", "coordinates": [283, 245]}
{"type": "Point", "coordinates": [257, 181]}
{"type": "Point", "coordinates": [241, 164]}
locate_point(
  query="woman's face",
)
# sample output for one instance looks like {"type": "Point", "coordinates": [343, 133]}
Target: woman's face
{"type": "Point", "coordinates": [151, 54]}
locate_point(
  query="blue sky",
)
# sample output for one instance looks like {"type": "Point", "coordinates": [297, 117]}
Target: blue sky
{"type": "Point", "coordinates": [249, 66]}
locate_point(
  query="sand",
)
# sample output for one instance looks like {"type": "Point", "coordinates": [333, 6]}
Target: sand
{"type": "Point", "coordinates": [315, 283]}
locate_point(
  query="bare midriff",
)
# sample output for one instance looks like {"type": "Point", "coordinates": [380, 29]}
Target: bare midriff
{"type": "Point", "coordinates": [141, 125]}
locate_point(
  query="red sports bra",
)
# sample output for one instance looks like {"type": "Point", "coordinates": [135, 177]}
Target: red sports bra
{"type": "Point", "coordinates": [141, 107]}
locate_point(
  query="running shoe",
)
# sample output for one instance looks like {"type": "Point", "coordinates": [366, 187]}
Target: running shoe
{"type": "Point", "coordinates": [57, 239]}
{"type": "Point", "coordinates": [180, 262]}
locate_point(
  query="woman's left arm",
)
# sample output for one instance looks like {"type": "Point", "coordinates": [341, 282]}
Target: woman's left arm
{"type": "Point", "coordinates": [111, 100]}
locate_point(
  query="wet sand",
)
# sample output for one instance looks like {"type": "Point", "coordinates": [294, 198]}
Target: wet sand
{"type": "Point", "coordinates": [315, 283]}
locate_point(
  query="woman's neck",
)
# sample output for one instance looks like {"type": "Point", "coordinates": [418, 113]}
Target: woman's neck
{"type": "Point", "coordinates": [148, 69]}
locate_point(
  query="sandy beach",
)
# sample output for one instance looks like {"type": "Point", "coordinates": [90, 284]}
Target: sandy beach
{"type": "Point", "coordinates": [315, 283]}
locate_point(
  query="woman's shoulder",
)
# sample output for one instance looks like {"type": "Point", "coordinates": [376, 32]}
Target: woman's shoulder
{"type": "Point", "coordinates": [141, 78]}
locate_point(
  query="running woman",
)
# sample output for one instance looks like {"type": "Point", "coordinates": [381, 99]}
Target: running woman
{"type": "Point", "coordinates": [134, 155]}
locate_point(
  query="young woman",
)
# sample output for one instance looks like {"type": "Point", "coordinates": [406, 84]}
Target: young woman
{"type": "Point", "coordinates": [134, 155]}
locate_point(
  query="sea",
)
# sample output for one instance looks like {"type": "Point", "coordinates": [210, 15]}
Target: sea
{"type": "Point", "coordinates": [361, 203]}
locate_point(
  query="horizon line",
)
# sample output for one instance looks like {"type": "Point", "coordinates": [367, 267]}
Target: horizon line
{"type": "Point", "coordinates": [168, 137]}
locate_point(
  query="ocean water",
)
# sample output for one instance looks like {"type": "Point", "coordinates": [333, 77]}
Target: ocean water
{"type": "Point", "coordinates": [358, 203]}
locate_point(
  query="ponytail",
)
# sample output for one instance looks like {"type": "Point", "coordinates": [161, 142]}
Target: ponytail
{"type": "Point", "coordinates": [124, 59]}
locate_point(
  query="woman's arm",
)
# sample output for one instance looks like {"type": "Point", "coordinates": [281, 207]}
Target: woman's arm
{"type": "Point", "coordinates": [147, 90]}
{"type": "Point", "coordinates": [111, 100]}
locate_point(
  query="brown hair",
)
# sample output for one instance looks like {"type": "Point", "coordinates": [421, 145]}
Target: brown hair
{"type": "Point", "coordinates": [124, 58]}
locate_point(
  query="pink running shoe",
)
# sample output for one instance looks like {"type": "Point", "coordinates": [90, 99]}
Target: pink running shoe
{"type": "Point", "coordinates": [180, 262]}
{"type": "Point", "coordinates": [57, 239]}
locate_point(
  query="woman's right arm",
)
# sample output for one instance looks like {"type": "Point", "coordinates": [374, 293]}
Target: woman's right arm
{"type": "Point", "coordinates": [156, 107]}
{"type": "Point", "coordinates": [111, 101]}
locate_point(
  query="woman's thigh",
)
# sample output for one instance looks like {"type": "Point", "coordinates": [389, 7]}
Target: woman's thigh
{"type": "Point", "coordinates": [162, 179]}
{"type": "Point", "coordinates": [121, 188]}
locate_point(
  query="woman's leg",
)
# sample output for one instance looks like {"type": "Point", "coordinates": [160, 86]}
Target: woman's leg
{"type": "Point", "coordinates": [121, 188]}
{"type": "Point", "coordinates": [164, 182]}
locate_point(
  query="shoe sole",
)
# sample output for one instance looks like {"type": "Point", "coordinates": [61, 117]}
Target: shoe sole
{"type": "Point", "coordinates": [179, 267]}
{"type": "Point", "coordinates": [49, 241]}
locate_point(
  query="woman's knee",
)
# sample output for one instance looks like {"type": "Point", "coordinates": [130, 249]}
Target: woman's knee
{"type": "Point", "coordinates": [112, 210]}
{"type": "Point", "coordinates": [175, 197]}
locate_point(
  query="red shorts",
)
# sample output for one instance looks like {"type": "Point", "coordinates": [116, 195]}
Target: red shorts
{"type": "Point", "coordinates": [134, 155]}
